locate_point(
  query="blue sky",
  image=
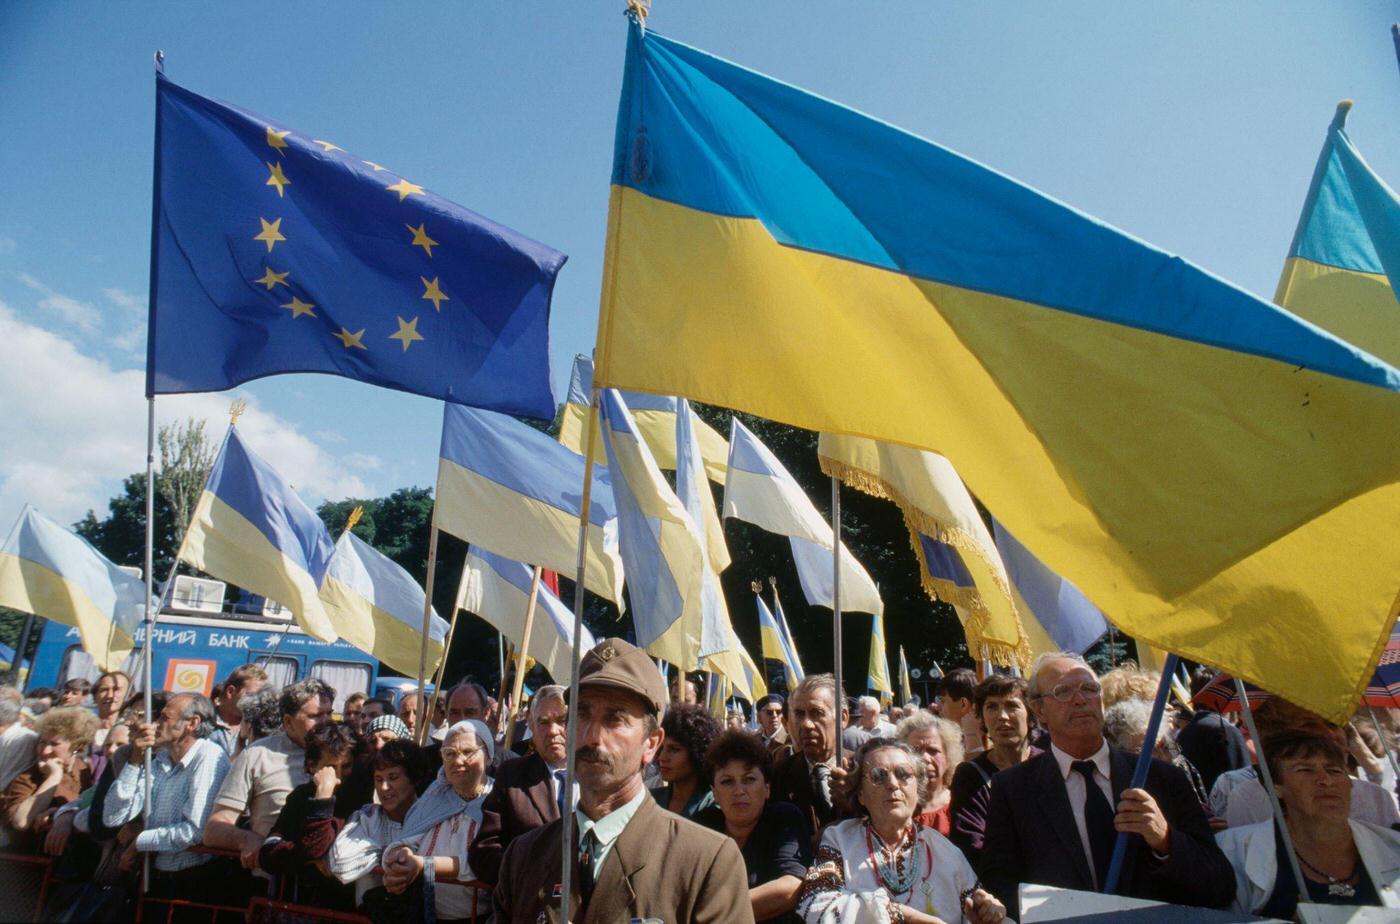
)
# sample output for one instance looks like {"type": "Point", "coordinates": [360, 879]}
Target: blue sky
{"type": "Point", "coordinates": [1191, 125]}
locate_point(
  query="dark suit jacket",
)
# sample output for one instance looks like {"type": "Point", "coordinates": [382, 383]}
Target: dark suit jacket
{"type": "Point", "coordinates": [1213, 745]}
{"type": "Point", "coordinates": [792, 782]}
{"type": "Point", "coordinates": [521, 801]}
{"type": "Point", "coordinates": [1032, 837]}
{"type": "Point", "coordinates": [661, 866]}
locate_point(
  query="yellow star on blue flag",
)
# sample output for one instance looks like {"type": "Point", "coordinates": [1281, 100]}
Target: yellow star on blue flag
{"type": "Point", "coordinates": [264, 264]}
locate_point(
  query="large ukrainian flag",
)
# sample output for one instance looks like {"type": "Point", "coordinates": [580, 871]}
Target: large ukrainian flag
{"type": "Point", "coordinates": [1208, 468]}
{"type": "Point", "coordinates": [1346, 251]}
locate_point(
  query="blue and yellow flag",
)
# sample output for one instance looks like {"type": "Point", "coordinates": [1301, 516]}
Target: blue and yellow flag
{"type": "Point", "coordinates": [656, 419]}
{"type": "Point", "coordinates": [505, 486]}
{"type": "Point", "coordinates": [1345, 258]}
{"type": "Point", "coordinates": [878, 671]}
{"type": "Point", "coordinates": [251, 529]}
{"type": "Point", "coordinates": [1202, 464]}
{"type": "Point", "coordinates": [777, 643]}
{"type": "Point", "coordinates": [54, 573]}
{"type": "Point", "coordinates": [377, 606]}
{"type": "Point", "coordinates": [662, 547]}
{"type": "Point", "coordinates": [1056, 614]}
{"type": "Point", "coordinates": [906, 690]}
{"type": "Point", "coordinates": [278, 252]}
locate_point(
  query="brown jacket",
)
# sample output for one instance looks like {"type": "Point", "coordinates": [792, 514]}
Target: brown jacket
{"type": "Point", "coordinates": [662, 869]}
{"type": "Point", "coordinates": [521, 801]}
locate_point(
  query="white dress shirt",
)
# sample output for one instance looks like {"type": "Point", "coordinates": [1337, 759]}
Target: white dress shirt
{"type": "Point", "coordinates": [1074, 786]}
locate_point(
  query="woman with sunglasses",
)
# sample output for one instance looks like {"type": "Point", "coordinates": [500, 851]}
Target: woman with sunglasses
{"type": "Point", "coordinates": [882, 866]}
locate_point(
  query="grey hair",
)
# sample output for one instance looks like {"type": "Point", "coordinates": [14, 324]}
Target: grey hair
{"type": "Point", "coordinates": [1033, 690]}
{"type": "Point", "coordinates": [814, 682]}
{"type": "Point", "coordinates": [1126, 718]}
{"type": "Point", "coordinates": [869, 702]}
{"type": "Point", "coordinates": [260, 711]}
{"type": "Point", "coordinates": [849, 795]}
{"type": "Point", "coordinates": [948, 730]}
{"type": "Point", "coordinates": [476, 688]}
{"type": "Point", "coordinates": [10, 701]}
{"type": "Point", "coordinates": [296, 695]}
{"type": "Point", "coordinates": [202, 707]}
{"type": "Point", "coordinates": [550, 691]}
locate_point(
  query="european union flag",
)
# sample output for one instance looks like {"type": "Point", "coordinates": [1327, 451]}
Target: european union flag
{"type": "Point", "coordinates": [276, 252]}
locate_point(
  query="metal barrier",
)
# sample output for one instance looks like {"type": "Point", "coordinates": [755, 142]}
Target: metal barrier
{"type": "Point", "coordinates": [24, 882]}
{"type": "Point", "coordinates": [273, 911]}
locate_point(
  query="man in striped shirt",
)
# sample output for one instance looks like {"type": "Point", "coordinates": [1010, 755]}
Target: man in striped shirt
{"type": "Point", "coordinates": [186, 774]}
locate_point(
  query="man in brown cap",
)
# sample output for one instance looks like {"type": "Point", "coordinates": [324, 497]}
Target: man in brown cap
{"type": "Point", "coordinates": [633, 860]}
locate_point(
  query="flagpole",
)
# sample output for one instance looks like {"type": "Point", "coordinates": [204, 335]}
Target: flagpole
{"type": "Point", "coordinates": [519, 683]}
{"type": "Point", "coordinates": [566, 828]}
{"type": "Point", "coordinates": [424, 720]}
{"type": "Point", "coordinates": [840, 696]}
{"type": "Point", "coordinates": [1395, 34]}
{"type": "Point", "coordinates": [1267, 779]}
{"type": "Point", "coordinates": [447, 639]}
{"type": "Point", "coordinates": [1144, 761]}
{"type": "Point", "coordinates": [1380, 733]}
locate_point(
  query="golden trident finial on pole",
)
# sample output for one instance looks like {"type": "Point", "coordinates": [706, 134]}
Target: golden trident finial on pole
{"type": "Point", "coordinates": [354, 517]}
{"type": "Point", "coordinates": [235, 411]}
{"type": "Point", "coordinates": [640, 9]}
{"type": "Point", "coordinates": [756, 586]}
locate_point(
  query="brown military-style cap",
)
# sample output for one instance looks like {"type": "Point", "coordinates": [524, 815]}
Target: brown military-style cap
{"type": "Point", "coordinates": [623, 666]}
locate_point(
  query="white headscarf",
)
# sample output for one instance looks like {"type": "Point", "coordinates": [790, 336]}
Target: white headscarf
{"type": "Point", "coordinates": [440, 801]}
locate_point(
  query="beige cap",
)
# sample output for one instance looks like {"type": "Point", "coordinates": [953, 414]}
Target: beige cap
{"type": "Point", "coordinates": [623, 666]}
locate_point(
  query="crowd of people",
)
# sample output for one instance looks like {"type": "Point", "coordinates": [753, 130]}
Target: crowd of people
{"type": "Point", "coordinates": [906, 815]}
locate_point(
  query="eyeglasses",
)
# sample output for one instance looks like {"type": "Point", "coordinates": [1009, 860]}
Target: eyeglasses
{"type": "Point", "coordinates": [771, 710]}
{"type": "Point", "coordinates": [881, 775]}
{"type": "Point", "coordinates": [454, 753]}
{"type": "Point", "coordinates": [1064, 692]}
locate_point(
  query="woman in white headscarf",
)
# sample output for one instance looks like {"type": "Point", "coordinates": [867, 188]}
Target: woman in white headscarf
{"type": "Point", "coordinates": [441, 826]}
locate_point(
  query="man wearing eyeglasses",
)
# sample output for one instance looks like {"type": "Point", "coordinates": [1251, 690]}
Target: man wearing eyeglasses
{"type": "Point", "coordinates": [1053, 820]}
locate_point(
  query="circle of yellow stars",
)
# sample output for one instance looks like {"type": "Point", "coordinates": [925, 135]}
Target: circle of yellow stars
{"type": "Point", "coordinates": [271, 235]}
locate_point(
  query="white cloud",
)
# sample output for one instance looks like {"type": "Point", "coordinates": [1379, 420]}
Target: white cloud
{"type": "Point", "coordinates": [75, 313]}
{"type": "Point", "coordinates": [364, 461]}
{"type": "Point", "coordinates": [71, 427]}
{"type": "Point", "coordinates": [124, 299]}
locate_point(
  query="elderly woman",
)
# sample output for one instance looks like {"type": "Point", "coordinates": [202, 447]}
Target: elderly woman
{"type": "Point", "coordinates": [383, 729]}
{"type": "Point", "coordinates": [59, 773]}
{"type": "Point", "coordinates": [940, 742]}
{"type": "Point", "coordinates": [772, 836]}
{"type": "Point", "coordinates": [882, 866]}
{"type": "Point", "coordinates": [689, 731]}
{"type": "Point", "coordinates": [262, 714]}
{"type": "Point", "coordinates": [400, 771]}
{"type": "Point", "coordinates": [1125, 726]}
{"type": "Point", "coordinates": [443, 823]}
{"type": "Point", "coordinates": [1344, 861]}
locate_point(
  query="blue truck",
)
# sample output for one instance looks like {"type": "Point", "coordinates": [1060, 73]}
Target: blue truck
{"type": "Point", "coordinates": [199, 641]}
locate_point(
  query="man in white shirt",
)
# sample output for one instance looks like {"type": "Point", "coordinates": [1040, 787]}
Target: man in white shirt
{"type": "Point", "coordinates": [872, 721]}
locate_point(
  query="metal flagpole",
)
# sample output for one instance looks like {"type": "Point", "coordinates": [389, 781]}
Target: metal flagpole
{"type": "Point", "coordinates": [840, 696]}
{"type": "Point", "coordinates": [519, 684]}
{"type": "Point", "coordinates": [1144, 761]}
{"type": "Point", "coordinates": [1380, 733]}
{"type": "Point", "coordinates": [1267, 779]}
{"type": "Point", "coordinates": [1395, 34]}
{"type": "Point", "coordinates": [566, 827]}
{"type": "Point", "coordinates": [424, 720]}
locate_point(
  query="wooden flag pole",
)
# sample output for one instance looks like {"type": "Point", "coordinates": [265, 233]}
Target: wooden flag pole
{"type": "Point", "coordinates": [840, 697]}
{"type": "Point", "coordinates": [1267, 779]}
{"type": "Point", "coordinates": [519, 684]}
{"type": "Point", "coordinates": [425, 719]}
{"type": "Point", "coordinates": [447, 641]}
{"type": "Point", "coordinates": [566, 829]}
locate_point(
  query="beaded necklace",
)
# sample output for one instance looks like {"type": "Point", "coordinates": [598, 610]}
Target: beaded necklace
{"type": "Point", "coordinates": [895, 865]}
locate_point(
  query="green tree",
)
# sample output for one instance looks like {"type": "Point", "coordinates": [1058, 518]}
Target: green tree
{"type": "Point", "coordinates": [186, 456]}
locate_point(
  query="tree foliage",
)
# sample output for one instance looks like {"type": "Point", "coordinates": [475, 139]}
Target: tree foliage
{"type": "Point", "coordinates": [186, 456]}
